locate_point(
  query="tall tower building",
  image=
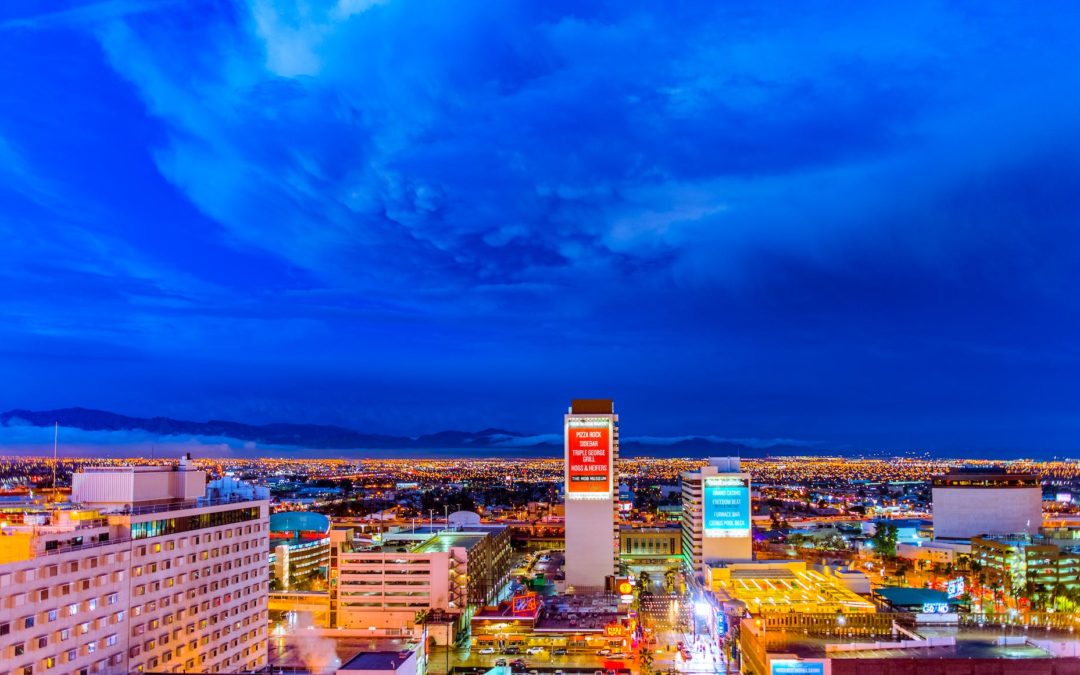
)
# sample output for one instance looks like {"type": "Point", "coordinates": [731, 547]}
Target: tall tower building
{"type": "Point", "coordinates": [716, 514]}
{"type": "Point", "coordinates": [591, 447]}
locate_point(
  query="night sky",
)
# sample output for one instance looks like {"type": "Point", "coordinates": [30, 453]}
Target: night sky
{"type": "Point", "coordinates": [846, 223]}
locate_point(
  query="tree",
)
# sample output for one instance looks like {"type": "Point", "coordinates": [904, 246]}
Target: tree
{"type": "Point", "coordinates": [646, 661]}
{"type": "Point", "coordinates": [669, 580]}
{"type": "Point", "coordinates": [644, 580]}
{"type": "Point", "coordinates": [884, 540]}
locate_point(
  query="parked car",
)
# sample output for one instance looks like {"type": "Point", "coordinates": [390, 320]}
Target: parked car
{"type": "Point", "coordinates": [619, 655]}
{"type": "Point", "coordinates": [512, 650]}
{"type": "Point", "coordinates": [534, 650]}
{"type": "Point", "coordinates": [500, 662]}
{"type": "Point", "coordinates": [603, 652]}
{"type": "Point", "coordinates": [559, 651]}
{"type": "Point", "coordinates": [487, 650]}
{"type": "Point", "coordinates": [519, 663]}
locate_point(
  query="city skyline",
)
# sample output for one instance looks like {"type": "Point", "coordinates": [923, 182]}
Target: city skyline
{"type": "Point", "coordinates": [846, 226]}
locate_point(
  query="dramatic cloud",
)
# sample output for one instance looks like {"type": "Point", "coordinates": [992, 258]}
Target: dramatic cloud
{"type": "Point", "coordinates": [843, 222]}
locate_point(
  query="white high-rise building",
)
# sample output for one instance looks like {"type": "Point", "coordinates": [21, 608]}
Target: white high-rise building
{"type": "Point", "coordinates": [716, 514]}
{"type": "Point", "coordinates": [591, 450]}
{"type": "Point", "coordinates": [971, 503]}
{"type": "Point", "coordinates": [139, 572]}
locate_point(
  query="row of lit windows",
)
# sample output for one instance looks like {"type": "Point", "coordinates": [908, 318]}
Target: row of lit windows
{"type": "Point", "coordinates": [194, 609]}
{"type": "Point", "coordinates": [197, 662]}
{"type": "Point", "coordinates": [199, 521]}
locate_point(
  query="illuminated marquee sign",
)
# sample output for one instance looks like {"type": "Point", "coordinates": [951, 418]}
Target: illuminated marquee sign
{"type": "Point", "coordinates": [588, 458]}
{"type": "Point", "coordinates": [727, 506]}
{"type": "Point", "coordinates": [614, 630]}
{"type": "Point", "coordinates": [525, 604]}
{"type": "Point", "coordinates": [954, 588]}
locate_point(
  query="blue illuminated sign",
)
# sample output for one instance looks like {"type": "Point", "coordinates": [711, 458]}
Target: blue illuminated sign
{"type": "Point", "coordinates": [727, 506]}
{"type": "Point", "coordinates": [790, 667]}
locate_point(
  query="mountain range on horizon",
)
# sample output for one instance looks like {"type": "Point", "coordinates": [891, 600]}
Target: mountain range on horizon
{"type": "Point", "coordinates": [252, 439]}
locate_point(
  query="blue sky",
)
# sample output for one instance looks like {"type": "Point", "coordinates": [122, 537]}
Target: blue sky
{"type": "Point", "coordinates": [843, 222]}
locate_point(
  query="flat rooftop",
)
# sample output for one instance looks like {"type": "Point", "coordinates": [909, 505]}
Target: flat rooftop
{"type": "Point", "coordinates": [970, 643]}
{"type": "Point", "coordinates": [389, 661]}
{"type": "Point", "coordinates": [787, 589]}
{"type": "Point", "coordinates": [444, 541]}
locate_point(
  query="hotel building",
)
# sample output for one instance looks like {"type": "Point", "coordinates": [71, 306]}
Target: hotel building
{"type": "Point", "coordinates": [142, 570]}
{"type": "Point", "coordinates": [591, 451]}
{"type": "Point", "coordinates": [716, 514]}
{"type": "Point", "coordinates": [967, 504]}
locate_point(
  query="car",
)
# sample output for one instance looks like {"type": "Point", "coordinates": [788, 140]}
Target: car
{"type": "Point", "coordinates": [487, 650]}
{"type": "Point", "coordinates": [619, 655]}
{"type": "Point", "coordinates": [500, 663]}
{"type": "Point", "coordinates": [519, 663]}
{"type": "Point", "coordinates": [534, 650]}
{"type": "Point", "coordinates": [559, 651]}
{"type": "Point", "coordinates": [603, 652]}
{"type": "Point", "coordinates": [560, 672]}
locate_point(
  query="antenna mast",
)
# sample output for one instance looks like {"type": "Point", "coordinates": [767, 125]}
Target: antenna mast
{"type": "Point", "coordinates": [55, 443]}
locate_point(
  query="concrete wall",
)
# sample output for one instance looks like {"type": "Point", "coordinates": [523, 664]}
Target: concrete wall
{"type": "Point", "coordinates": [590, 542]}
{"type": "Point", "coordinates": [136, 486]}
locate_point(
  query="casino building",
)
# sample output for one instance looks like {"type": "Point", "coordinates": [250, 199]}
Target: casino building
{"type": "Point", "coordinates": [299, 548]}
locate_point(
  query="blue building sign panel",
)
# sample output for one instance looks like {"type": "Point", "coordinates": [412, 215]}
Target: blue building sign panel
{"type": "Point", "coordinates": [794, 667]}
{"type": "Point", "coordinates": [727, 506]}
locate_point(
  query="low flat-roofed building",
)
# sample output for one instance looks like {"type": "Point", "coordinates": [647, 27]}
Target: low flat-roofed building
{"type": "Point", "coordinates": [381, 663]}
{"type": "Point", "coordinates": [936, 551]}
{"type": "Point", "coordinates": [785, 587]}
{"type": "Point", "coordinates": [385, 584]}
{"type": "Point", "coordinates": [903, 652]}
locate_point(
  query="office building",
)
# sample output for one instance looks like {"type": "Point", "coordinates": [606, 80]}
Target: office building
{"type": "Point", "coordinates": [968, 504]}
{"type": "Point", "coordinates": [591, 450]}
{"type": "Point", "coordinates": [381, 585]}
{"type": "Point", "coordinates": [716, 514]}
{"type": "Point", "coordinates": [140, 571]}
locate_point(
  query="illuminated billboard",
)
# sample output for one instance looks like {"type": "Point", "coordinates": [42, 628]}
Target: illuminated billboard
{"type": "Point", "coordinates": [795, 667]}
{"type": "Point", "coordinates": [588, 457]}
{"type": "Point", "coordinates": [727, 506]}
